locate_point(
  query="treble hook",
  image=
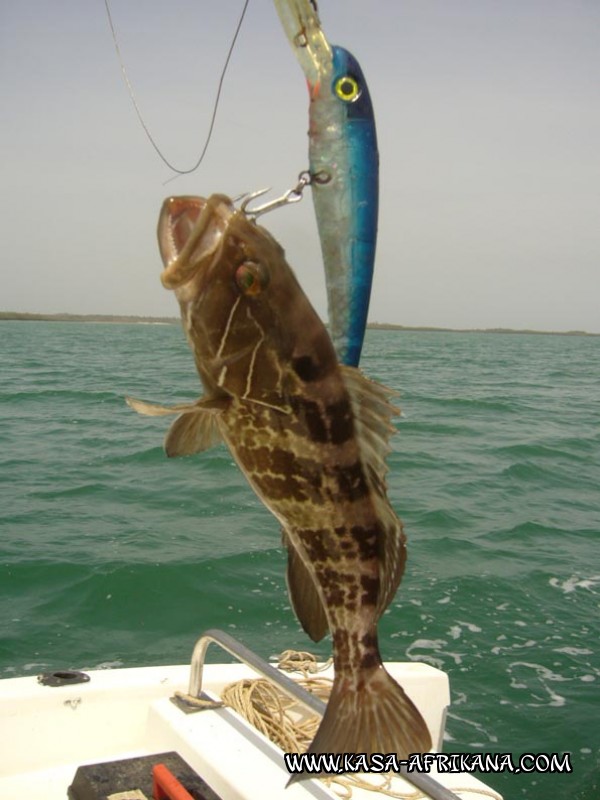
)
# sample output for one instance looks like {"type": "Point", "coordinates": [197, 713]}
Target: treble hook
{"type": "Point", "coordinates": [291, 196]}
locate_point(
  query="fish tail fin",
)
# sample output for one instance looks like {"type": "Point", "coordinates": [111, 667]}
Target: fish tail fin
{"type": "Point", "coordinates": [369, 714]}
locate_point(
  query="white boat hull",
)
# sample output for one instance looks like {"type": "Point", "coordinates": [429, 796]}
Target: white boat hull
{"type": "Point", "coordinates": [48, 732]}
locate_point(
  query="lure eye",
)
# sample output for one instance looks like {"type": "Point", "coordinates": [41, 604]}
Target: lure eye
{"type": "Point", "coordinates": [251, 278]}
{"type": "Point", "coordinates": [347, 88]}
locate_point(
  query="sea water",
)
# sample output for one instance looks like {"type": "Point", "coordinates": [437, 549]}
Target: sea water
{"type": "Point", "coordinates": [113, 555]}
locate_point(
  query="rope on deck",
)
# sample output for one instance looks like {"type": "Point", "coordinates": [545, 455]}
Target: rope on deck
{"type": "Point", "coordinates": [285, 723]}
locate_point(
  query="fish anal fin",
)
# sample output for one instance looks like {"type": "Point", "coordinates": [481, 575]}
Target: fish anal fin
{"type": "Point", "coordinates": [304, 597]}
{"type": "Point", "coordinates": [370, 715]}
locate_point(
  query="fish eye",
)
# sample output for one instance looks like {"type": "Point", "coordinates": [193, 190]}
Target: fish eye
{"type": "Point", "coordinates": [347, 88]}
{"type": "Point", "coordinates": [251, 278]}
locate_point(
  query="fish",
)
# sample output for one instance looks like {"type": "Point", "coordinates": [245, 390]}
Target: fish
{"type": "Point", "coordinates": [344, 170]}
{"type": "Point", "coordinates": [310, 436]}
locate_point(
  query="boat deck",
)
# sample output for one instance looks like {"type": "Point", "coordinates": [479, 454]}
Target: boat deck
{"type": "Point", "coordinates": [48, 732]}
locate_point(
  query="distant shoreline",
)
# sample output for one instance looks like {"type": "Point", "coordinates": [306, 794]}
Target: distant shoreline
{"type": "Point", "coordinates": [390, 327]}
{"type": "Point", "coordinates": [30, 317]}
{"type": "Point", "coordinates": [123, 318]}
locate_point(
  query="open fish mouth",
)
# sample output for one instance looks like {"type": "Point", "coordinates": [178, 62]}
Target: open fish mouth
{"type": "Point", "coordinates": [178, 216]}
{"type": "Point", "coordinates": [189, 232]}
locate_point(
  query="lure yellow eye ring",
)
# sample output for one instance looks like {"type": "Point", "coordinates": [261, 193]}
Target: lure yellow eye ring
{"type": "Point", "coordinates": [347, 88]}
{"type": "Point", "coordinates": [251, 278]}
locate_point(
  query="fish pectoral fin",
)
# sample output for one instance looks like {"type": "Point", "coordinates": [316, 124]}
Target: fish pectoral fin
{"type": "Point", "coordinates": [369, 713]}
{"type": "Point", "coordinates": [193, 432]}
{"type": "Point", "coordinates": [195, 429]}
{"type": "Point", "coordinates": [304, 597]}
{"type": "Point", "coordinates": [203, 405]}
{"type": "Point", "coordinates": [155, 410]}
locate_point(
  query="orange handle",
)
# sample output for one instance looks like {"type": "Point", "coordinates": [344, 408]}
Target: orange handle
{"type": "Point", "coordinates": [165, 785]}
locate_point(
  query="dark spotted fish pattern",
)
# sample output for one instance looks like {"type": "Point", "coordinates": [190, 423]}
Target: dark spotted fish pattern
{"type": "Point", "coordinates": [311, 437]}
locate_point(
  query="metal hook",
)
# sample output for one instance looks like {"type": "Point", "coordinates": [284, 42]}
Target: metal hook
{"type": "Point", "coordinates": [291, 196]}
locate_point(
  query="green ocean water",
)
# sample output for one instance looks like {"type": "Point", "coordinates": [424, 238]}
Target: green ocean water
{"type": "Point", "coordinates": [113, 555]}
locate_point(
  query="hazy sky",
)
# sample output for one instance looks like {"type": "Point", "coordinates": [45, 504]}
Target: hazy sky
{"type": "Point", "coordinates": [488, 115]}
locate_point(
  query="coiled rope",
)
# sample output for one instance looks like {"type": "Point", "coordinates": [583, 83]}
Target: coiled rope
{"type": "Point", "coordinates": [285, 723]}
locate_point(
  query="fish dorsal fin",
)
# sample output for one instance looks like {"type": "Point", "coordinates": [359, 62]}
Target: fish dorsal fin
{"type": "Point", "coordinates": [195, 429]}
{"type": "Point", "coordinates": [373, 414]}
{"type": "Point", "coordinates": [304, 597]}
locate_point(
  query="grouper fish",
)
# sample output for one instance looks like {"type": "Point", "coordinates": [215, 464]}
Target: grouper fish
{"type": "Point", "coordinates": [311, 438]}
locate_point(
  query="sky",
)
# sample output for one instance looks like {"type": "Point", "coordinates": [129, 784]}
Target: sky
{"type": "Point", "coordinates": [488, 119]}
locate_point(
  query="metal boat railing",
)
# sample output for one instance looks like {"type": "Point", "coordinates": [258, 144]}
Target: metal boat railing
{"type": "Point", "coordinates": [428, 785]}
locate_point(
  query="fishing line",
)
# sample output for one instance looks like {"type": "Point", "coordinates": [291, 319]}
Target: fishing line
{"type": "Point", "coordinates": [138, 110]}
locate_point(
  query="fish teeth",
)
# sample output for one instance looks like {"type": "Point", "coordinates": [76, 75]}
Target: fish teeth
{"type": "Point", "coordinates": [171, 237]}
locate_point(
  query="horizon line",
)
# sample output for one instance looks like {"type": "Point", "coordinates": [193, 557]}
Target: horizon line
{"type": "Point", "coordinates": [27, 316]}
